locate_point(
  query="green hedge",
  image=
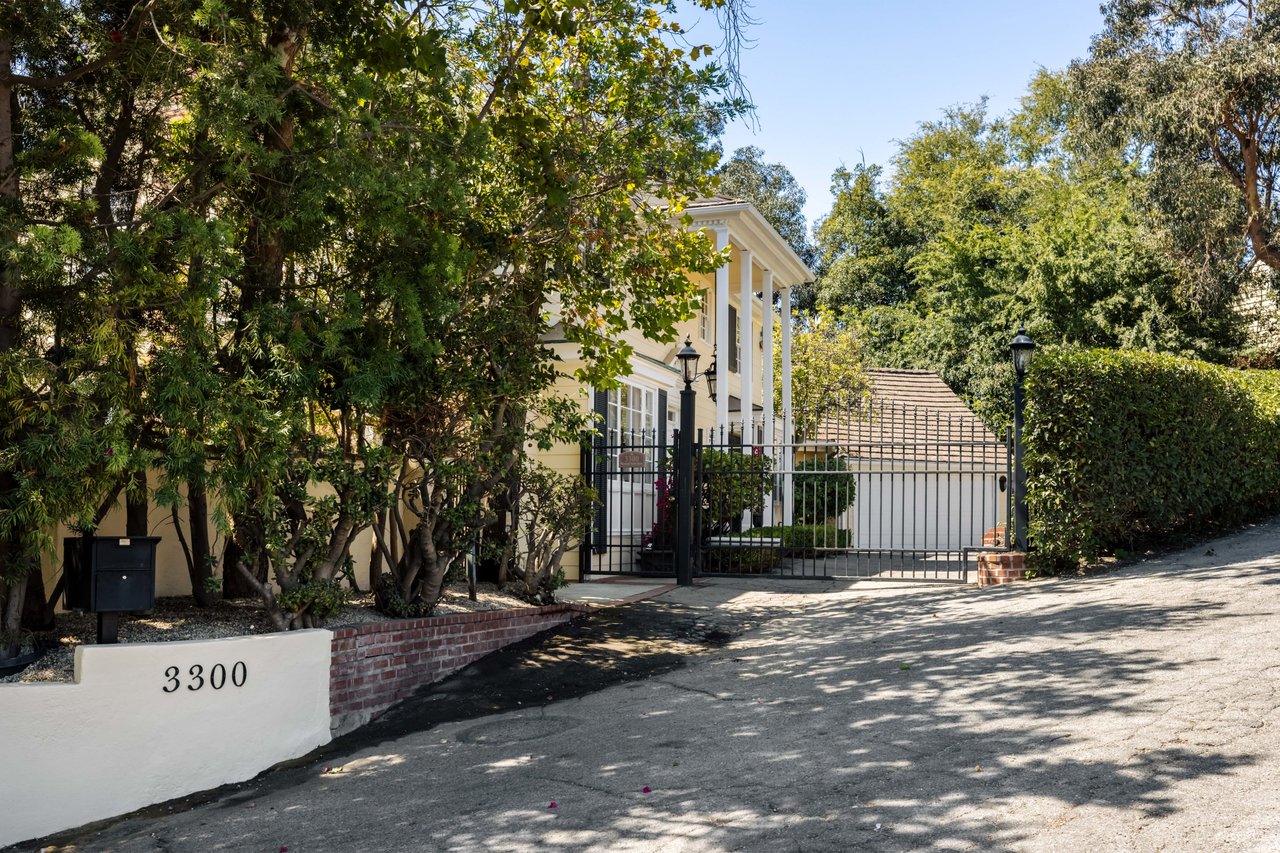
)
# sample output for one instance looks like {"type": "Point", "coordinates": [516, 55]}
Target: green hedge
{"type": "Point", "coordinates": [1121, 445]}
{"type": "Point", "coordinates": [805, 537]}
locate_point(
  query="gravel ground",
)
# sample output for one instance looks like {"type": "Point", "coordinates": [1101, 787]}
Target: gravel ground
{"type": "Point", "coordinates": [175, 619]}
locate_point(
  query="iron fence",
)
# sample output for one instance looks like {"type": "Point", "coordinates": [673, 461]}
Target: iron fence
{"type": "Point", "coordinates": [877, 490]}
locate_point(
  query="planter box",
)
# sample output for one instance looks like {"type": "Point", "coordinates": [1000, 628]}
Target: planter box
{"type": "Point", "coordinates": [657, 560]}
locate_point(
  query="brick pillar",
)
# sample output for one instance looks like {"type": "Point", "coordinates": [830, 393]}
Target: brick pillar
{"type": "Point", "coordinates": [994, 536]}
{"type": "Point", "coordinates": [999, 567]}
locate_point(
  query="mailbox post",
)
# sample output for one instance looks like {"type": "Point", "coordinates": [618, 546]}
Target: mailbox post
{"type": "Point", "coordinates": [110, 575]}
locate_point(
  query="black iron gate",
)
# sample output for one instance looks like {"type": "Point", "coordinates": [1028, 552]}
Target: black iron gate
{"type": "Point", "coordinates": [878, 490]}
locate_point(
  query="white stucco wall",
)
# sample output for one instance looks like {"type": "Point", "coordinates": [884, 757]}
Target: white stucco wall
{"type": "Point", "coordinates": [116, 740]}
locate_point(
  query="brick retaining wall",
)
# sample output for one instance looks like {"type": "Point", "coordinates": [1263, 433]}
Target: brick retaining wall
{"type": "Point", "coordinates": [378, 664]}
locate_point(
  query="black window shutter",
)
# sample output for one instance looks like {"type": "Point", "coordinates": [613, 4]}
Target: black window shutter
{"type": "Point", "coordinates": [662, 423]}
{"type": "Point", "coordinates": [733, 339]}
{"type": "Point", "coordinates": [600, 537]}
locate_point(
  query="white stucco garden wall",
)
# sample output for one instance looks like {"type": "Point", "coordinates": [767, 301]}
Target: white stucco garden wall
{"type": "Point", "coordinates": [148, 722]}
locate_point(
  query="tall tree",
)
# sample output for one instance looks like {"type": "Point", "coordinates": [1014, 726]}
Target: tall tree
{"type": "Point", "coordinates": [1002, 223]}
{"type": "Point", "coordinates": [862, 248]}
{"type": "Point", "coordinates": [282, 253]}
{"type": "Point", "coordinates": [774, 191]}
{"type": "Point", "coordinates": [79, 87]}
{"type": "Point", "coordinates": [1190, 91]}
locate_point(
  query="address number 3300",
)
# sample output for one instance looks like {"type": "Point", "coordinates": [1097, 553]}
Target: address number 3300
{"type": "Point", "coordinates": [196, 678]}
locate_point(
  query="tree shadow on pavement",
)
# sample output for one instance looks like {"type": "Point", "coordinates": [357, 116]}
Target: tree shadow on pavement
{"type": "Point", "coordinates": [918, 723]}
{"type": "Point", "coordinates": [964, 719]}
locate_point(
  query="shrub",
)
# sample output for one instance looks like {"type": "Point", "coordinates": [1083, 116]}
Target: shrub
{"type": "Point", "coordinates": [732, 483]}
{"type": "Point", "coordinates": [1121, 445]}
{"type": "Point", "coordinates": [805, 539]}
{"type": "Point", "coordinates": [738, 559]}
{"type": "Point", "coordinates": [823, 489]}
{"type": "Point", "coordinates": [554, 510]}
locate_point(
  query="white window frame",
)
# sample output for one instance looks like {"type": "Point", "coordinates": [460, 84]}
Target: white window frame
{"type": "Point", "coordinates": [646, 411]}
{"type": "Point", "coordinates": [704, 319]}
{"type": "Point", "coordinates": [641, 405]}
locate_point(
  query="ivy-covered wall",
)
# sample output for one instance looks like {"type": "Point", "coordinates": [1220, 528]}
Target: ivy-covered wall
{"type": "Point", "coordinates": [1121, 445]}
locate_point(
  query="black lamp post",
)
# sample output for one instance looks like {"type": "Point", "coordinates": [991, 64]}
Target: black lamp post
{"type": "Point", "coordinates": [688, 357]}
{"type": "Point", "coordinates": [1021, 347]}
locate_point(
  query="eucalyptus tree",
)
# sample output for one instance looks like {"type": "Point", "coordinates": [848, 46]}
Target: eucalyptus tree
{"type": "Point", "coordinates": [1190, 91]}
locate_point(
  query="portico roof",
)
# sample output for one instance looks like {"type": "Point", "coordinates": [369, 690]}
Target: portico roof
{"type": "Point", "coordinates": [752, 229]}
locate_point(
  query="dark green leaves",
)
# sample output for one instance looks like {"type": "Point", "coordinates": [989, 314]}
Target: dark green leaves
{"type": "Point", "coordinates": [1125, 445]}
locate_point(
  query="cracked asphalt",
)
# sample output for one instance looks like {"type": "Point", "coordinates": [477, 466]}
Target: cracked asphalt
{"type": "Point", "coordinates": [1134, 710]}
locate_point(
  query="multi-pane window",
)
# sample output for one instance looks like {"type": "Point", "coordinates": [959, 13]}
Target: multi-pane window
{"type": "Point", "coordinates": [704, 319]}
{"type": "Point", "coordinates": [631, 424]}
{"type": "Point", "coordinates": [632, 415]}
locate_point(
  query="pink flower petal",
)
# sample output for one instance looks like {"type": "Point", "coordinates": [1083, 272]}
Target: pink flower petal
{"type": "Point", "coordinates": [552, 806]}
{"type": "Point", "coordinates": [645, 789]}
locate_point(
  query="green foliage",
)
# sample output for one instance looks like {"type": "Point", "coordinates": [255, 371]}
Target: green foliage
{"type": "Point", "coordinates": [554, 510]}
{"type": "Point", "coordinates": [827, 370]}
{"type": "Point", "coordinates": [863, 248]}
{"type": "Point", "coordinates": [989, 223]}
{"type": "Point", "coordinates": [298, 258]}
{"type": "Point", "coordinates": [733, 483]}
{"type": "Point", "coordinates": [320, 598]}
{"type": "Point", "coordinates": [1189, 93]}
{"type": "Point", "coordinates": [1124, 445]}
{"type": "Point", "coordinates": [824, 488]}
{"type": "Point", "coordinates": [731, 559]}
{"type": "Point", "coordinates": [390, 601]}
{"type": "Point", "coordinates": [805, 540]}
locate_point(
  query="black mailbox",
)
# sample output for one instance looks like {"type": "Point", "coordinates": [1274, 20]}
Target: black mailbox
{"type": "Point", "coordinates": [110, 574]}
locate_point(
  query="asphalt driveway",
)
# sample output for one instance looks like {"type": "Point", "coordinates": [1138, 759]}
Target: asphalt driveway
{"type": "Point", "coordinates": [1130, 711]}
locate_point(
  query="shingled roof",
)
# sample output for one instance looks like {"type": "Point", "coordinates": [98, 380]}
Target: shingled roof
{"type": "Point", "coordinates": [911, 416]}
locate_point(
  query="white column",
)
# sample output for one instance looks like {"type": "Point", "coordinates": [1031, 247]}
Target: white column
{"type": "Point", "coordinates": [747, 341]}
{"type": "Point", "coordinates": [722, 336]}
{"type": "Point", "coordinates": [766, 384]}
{"type": "Point", "coordinates": [788, 435]}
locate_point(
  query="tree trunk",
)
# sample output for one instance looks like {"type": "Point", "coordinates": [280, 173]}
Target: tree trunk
{"type": "Point", "coordinates": [137, 506]}
{"type": "Point", "coordinates": [234, 584]}
{"type": "Point", "coordinates": [15, 594]}
{"type": "Point", "coordinates": [11, 640]}
{"type": "Point", "coordinates": [375, 551]}
{"type": "Point", "coordinates": [199, 565]}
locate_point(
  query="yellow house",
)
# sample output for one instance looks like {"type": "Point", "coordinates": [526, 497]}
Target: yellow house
{"type": "Point", "coordinates": [733, 330]}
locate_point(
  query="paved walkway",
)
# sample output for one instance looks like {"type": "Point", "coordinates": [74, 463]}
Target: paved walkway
{"type": "Point", "coordinates": [608, 593]}
{"type": "Point", "coordinates": [1130, 711]}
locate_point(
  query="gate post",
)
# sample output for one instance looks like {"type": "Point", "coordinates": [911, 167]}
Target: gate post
{"type": "Point", "coordinates": [688, 358]}
{"type": "Point", "coordinates": [1021, 348]}
{"type": "Point", "coordinates": [684, 491]}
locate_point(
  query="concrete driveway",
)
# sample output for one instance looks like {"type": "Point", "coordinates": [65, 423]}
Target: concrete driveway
{"type": "Point", "coordinates": [1130, 711]}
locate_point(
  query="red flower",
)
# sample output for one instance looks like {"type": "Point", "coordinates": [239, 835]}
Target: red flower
{"type": "Point", "coordinates": [115, 36]}
{"type": "Point", "coordinates": [645, 789]}
{"type": "Point", "coordinates": [553, 805]}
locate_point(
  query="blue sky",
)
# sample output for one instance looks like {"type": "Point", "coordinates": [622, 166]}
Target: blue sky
{"type": "Point", "coordinates": [834, 82]}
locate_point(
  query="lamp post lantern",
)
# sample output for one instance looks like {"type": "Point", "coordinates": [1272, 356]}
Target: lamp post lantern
{"type": "Point", "coordinates": [710, 374]}
{"type": "Point", "coordinates": [1021, 347]}
{"type": "Point", "coordinates": [688, 357]}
